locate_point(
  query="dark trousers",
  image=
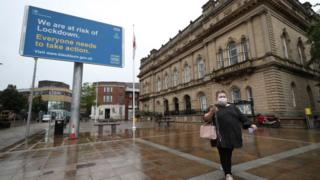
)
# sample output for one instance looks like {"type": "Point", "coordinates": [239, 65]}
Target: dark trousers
{"type": "Point", "coordinates": [225, 159]}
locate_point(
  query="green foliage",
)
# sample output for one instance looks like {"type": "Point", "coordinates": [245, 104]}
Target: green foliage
{"type": "Point", "coordinates": [11, 99]}
{"type": "Point", "coordinates": [39, 105]}
{"type": "Point", "coordinates": [88, 97]}
{"type": "Point", "coordinates": [314, 39]}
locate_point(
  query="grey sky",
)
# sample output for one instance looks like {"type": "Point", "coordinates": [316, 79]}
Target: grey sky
{"type": "Point", "coordinates": [155, 22]}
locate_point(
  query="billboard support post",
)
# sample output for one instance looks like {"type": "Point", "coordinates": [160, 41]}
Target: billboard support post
{"type": "Point", "coordinates": [75, 103]}
{"type": "Point", "coordinates": [31, 98]}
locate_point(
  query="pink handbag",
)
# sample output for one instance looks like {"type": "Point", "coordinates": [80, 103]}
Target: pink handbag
{"type": "Point", "coordinates": [208, 131]}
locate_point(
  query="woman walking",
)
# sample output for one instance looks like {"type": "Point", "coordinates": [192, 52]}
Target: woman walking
{"type": "Point", "coordinates": [227, 119]}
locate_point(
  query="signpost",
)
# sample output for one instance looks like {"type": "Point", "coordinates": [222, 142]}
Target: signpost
{"type": "Point", "coordinates": [52, 35]}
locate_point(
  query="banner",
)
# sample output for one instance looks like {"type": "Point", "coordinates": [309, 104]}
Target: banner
{"type": "Point", "coordinates": [52, 35]}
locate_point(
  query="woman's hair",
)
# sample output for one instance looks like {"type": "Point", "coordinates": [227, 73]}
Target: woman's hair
{"type": "Point", "coordinates": [219, 92]}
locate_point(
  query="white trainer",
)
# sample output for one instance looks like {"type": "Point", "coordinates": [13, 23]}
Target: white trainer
{"type": "Point", "coordinates": [229, 177]}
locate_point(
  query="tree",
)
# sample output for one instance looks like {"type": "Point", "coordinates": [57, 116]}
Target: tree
{"type": "Point", "coordinates": [314, 39]}
{"type": "Point", "coordinates": [39, 105]}
{"type": "Point", "coordinates": [11, 99]}
{"type": "Point", "coordinates": [88, 96]}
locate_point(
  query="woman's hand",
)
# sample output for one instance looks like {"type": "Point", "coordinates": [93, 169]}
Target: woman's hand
{"type": "Point", "coordinates": [254, 127]}
{"type": "Point", "coordinates": [209, 115]}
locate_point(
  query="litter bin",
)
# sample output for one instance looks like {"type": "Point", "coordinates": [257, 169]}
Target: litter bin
{"type": "Point", "coordinates": [58, 127]}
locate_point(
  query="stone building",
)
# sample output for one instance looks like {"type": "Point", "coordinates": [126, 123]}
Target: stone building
{"type": "Point", "coordinates": [255, 50]}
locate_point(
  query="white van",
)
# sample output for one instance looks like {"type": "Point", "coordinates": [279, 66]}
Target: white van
{"type": "Point", "coordinates": [46, 118]}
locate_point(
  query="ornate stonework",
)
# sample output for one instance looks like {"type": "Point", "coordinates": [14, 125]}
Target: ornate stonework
{"type": "Point", "coordinates": [253, 49]}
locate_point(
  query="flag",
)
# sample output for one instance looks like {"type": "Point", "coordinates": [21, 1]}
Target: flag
{"type": "Point", "coordinates": [134, 45]}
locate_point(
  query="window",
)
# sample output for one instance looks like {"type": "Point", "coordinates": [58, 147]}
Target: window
{"type": "Point", "coordinates": [187, 103]}
{"type": "Point", "coordinates": [186, 73]}
{"type": "Point", "coordinates": [245, 49]}
{"type": "Point", "coordinates": [293, 89]}
{"type": "Point", "coordinates": [107, 99]}
{"type": "Point", "coordinates": [175, 77]}
{"type": "Point", "coordinates": [301, 52]}
{"type": "Point", "coordinates": [107, 89]}
{"type": "Point", "coordinates": [312, 104]}
{"type": "Point", "coordinates": [220, 59]}
{"type": "Point", "coordinates": [203, 102]}
{"type": "Point", "coordinates": [235, 94]}
{"type": "Point", "coordinates": [285, 43]}
{"type": "Point", "coordinates": [249, 93]}
{"type": "Point", "coordinates": [176, 104]}
{"type": "Point", "coordinates": [166, 81]}
{"type": "Point", "coordinates": [232, 52]}
{"type": "Point", "coordinates": [159, 84]}
{"type": "Point", "coordinates": [201, 70]}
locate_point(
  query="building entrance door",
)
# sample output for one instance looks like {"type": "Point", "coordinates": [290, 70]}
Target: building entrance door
{"type": "Point", "coordinates": [107, 113]}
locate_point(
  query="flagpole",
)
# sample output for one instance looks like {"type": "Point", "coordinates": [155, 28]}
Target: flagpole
{"type": "Point", "coordinates": [133, 83]}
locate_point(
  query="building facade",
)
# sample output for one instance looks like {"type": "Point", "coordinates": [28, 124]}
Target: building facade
{"type": "Point", "coordinates": [56, 94]}
{"type": "Point", "coordinates": [129, 100]}
{"type": "Point", "coordinates": [112, 101]}
{"type": "Point", "coordinates": [254, 50]}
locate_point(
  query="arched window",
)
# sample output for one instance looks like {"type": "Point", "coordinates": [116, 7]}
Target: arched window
{"type": "Point", "coordinates": [235, 94]}
{"type": "Point", "coordinates": [220, 59]}
{"type": "Point", "coordinates": [249, 93]}
{"type": "Point", "coordinates": [176, 105]}
{"type": "Point", "coordinates": [186, 73]}
{"type": "Point", "coordinates": [293, 94]}
{"type": "Point", "coordinates": [166, 106]}
{"type": "Point", "coordinates": [301, 51]}
{"type": "Point", "coordinates": [245, 49]}
{"type": "Point", "coordinates": [232, 52]}
{"type": "Point", "coordinates": [203, 102]}
{"type": "Point", "coordinates": [187, 103]}
{"type": "Point", "coordinates": [175, 77]}
{"type": "Point", "coordinates": [285, 43]}
{"type": "Point", "coordinates": [159, 84]}
{"type": "Point", "coordinates": [201, 68]}
{"type": "Point", "coordinates": [166, 81]}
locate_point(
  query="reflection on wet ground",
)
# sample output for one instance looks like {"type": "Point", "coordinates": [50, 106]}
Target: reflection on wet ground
{"type": "Point", "coordinates": [153, 152]}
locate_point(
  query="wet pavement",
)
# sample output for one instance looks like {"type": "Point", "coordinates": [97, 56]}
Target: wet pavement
{"type": "Point", "coordinates": [153, 152]}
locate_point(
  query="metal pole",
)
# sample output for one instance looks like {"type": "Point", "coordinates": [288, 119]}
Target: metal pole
{"type": "Point", "coordinates": [96, 113]}
{"type": "Point", "coordinates": [133, 84]}
{"type": "Point", "coordinates": [31, 97]}
{"type": "Point", "coordinates": [50, 91]}
{"type": "Point", "coordinates": [133, 101]}
{"type": "Point", "coordinates": [76, 93]}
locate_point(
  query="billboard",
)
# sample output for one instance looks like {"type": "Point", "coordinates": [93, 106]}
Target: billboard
{"type": "Point", "coordinates": [51, 35]}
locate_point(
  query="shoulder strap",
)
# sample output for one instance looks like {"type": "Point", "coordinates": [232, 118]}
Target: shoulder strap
{"type": "Point", "coordinates": [217, 125]}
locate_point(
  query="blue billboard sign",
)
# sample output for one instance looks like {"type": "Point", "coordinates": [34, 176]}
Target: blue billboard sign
{"type": "Point", "coordinates": [52, 35]}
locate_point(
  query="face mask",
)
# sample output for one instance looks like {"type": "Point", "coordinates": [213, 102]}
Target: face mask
{"type": "Point", "coordinates": [222, 101]}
